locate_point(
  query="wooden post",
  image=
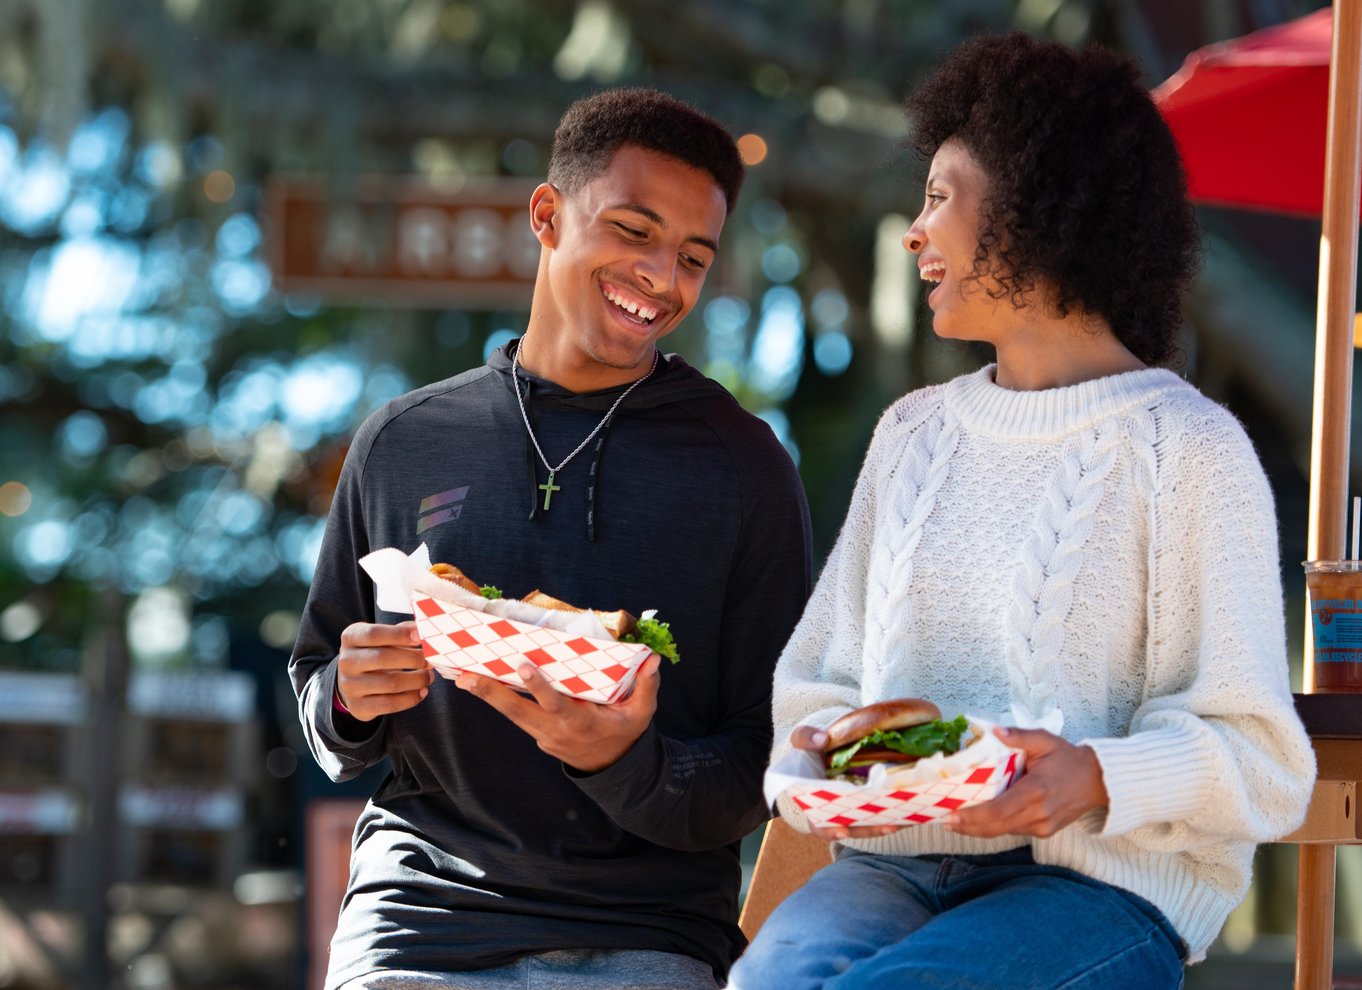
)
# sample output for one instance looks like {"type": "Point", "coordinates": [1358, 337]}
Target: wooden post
{"type": "Point", "coordinates": [106, 680]}
{"type": "Point", "coordinates": [1330, 440]}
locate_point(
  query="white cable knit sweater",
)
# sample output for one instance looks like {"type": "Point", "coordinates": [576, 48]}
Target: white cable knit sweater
{"type": "Point", "coordinates": [1108, 549]}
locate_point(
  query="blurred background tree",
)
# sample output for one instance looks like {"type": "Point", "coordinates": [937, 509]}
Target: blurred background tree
{"type": "Point", "coordinates": [173, 424]}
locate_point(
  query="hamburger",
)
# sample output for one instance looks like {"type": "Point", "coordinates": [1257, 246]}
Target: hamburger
{"type": "Point", "coordinates": [898, 732]}
{"type": "Point", "coordinates": [621, 625]}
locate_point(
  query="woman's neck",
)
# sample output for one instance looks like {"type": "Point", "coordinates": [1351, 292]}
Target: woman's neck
{"type": "Point", "coordinates": [1054, 351]}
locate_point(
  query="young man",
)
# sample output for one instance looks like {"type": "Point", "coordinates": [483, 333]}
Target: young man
{"type": "Point", "coordinates": [528, 839]}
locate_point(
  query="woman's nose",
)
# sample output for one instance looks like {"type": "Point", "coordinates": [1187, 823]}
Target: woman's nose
{"type": "Point", "coordinates": [914, 241]}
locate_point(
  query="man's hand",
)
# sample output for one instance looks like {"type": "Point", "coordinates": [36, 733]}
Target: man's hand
{"type": "Point", "coordinates": [584, 735]}
{"type": "Point", "coordinates": [807, 737]}
{"type": "Point", "coordinates": [381, 669]}
{"type": "Point", "coordinates": [1061, 782]}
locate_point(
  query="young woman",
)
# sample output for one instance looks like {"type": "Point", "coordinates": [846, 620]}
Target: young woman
{"type": "Point", "coordinates": [1070, 530]}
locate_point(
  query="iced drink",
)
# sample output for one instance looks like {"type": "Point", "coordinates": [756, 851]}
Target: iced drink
{"type": "Point", "coordinates": [1335, 590]}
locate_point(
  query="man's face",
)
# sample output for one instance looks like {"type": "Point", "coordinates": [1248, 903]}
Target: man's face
{"type": "Point", "coordinates": [628, 256]}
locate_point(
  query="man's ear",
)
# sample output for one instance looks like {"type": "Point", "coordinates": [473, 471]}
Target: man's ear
{"type": "Point", "coordinates": [546, 203]}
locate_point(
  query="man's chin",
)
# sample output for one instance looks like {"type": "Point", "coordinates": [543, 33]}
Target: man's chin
{"type": "Point", "coordinates": [624, 357]}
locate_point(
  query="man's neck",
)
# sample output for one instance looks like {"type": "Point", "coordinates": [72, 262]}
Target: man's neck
{"type": "Point", "coordinates": [575, 371]}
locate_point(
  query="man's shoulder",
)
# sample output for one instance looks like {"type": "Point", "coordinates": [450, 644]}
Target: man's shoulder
{"type": "Point", "coordinates": [718, 411]}
{"type": "Point", "coordinates": [433, 399]}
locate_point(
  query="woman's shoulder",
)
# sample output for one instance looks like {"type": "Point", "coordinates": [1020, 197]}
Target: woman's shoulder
{"type": "Point", "coordinates": [908, 412]}
{"type": "Point", "coordinates": [1186, 416]}
{"type": "Point", "coordinates": [1203, 450]}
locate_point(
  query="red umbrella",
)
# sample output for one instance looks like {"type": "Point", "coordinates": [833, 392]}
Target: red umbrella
{"type": "Point", "coordinates": [1250, 116]}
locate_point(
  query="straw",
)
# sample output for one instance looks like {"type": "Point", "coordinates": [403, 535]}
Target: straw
{"type": "Point", "coordinates": [1357, 523]}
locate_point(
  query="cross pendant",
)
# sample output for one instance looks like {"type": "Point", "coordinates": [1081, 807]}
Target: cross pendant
{"type": "Point", "coordinates": [548, 488]}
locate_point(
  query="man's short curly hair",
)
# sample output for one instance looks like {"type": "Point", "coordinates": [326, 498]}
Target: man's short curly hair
{"type": "Point", "coordinates": [1087, 191]}
{"type": "Point", "coordinates": [595, 127]}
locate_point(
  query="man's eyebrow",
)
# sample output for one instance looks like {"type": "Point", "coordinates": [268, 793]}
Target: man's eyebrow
{"type": "Point", "coordinates": [656, 218]}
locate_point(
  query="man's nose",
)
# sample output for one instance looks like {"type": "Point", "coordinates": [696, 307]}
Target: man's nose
{"type": "Point", "coordinates": [657, 270]}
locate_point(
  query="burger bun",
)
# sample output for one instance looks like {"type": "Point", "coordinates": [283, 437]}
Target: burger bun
{"type": "Point", "coordinates": [898, 713]}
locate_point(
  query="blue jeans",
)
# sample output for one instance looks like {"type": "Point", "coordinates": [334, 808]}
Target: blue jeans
{"type": "Point", "coordinates": [564, 969]}
{"type": "Point", "coordinates": [995, 922]}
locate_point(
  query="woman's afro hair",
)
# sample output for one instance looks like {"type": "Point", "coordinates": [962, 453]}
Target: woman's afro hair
{"type": "Point", "coordinates": [1087, 192]}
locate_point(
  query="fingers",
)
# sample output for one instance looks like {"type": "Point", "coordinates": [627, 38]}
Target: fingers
{"type": "Point", "coordinates": [369, 707]}
{"type": "Point", "coordinates": [368, 647]}
{"type": "Point", "coordinates": [380, 669]}
{"type": "Point", "coordinates": [370, 634]}
{"type": "Point", "coordinates": [647, 683]}
{"type": "Point", "coordinates": [1036, 742]}
{"type": "Point", "coordinates": [807, 737]}
{"type": "Point", "coordinates": [1007, 814]}
{"type": "Point", "coordinates": [1061, 783]}
{"type": "Point", "coordinates": [370, 695]}
{"type": "Point", "coordinates": [583, 734]}
{"type": "Point", "coordinates": [550, 699]}
{"type": "Point", "coordinates": [385, 681]}
{"type": "Point", "coordinates": [838, 833]}
{"type": "Point", "coordinates": [503, 698]}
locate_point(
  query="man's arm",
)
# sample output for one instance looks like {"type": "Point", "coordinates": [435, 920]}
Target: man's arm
{"type": "Point", "coordinates": [340, 595]}
{"type": "Point", "coordinates": [695, 794]}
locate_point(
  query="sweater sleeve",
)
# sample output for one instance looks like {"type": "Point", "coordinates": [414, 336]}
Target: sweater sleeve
{"type": "Point", "coordinates": [340, 594]}
{"type": "Point", "coordinates": [698, 794]}
{"type": "Point", "coordinates": [1216, 750]}
{"type": "Point", "coordinates": [819, 677]}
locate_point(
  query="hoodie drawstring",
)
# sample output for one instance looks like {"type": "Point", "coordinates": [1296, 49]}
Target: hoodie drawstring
{"type": "Point", "coordinates": [530, 455]}
{"type": "Point", "coordinates": [591, 481]}
{"type": "Point", "coordinates": [592, 477]}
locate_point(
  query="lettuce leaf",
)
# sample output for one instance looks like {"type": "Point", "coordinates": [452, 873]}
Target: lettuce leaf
{"type": "Point", "coordinates": [919, 740]}
{"type": "Point", "coordinates": [657, 636]}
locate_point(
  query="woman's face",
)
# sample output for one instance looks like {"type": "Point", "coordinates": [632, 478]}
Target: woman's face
{"type": "Point", "coordinates": [945, 237]}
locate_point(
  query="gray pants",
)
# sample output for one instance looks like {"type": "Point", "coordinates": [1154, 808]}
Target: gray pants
{"type": "Point", "coordinates": [567, 969]}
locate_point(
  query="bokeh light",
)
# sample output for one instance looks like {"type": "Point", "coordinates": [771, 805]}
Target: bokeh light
{"type": "Point", "coordinates": [219, 186]}
{"type": "Point", "coordinates": [752, 148]}
{"type": "Point", "coordinates": [15, 498]}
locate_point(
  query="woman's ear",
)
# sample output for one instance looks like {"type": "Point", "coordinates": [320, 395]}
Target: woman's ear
{"type": "Point", "coordinates": [545, 204]}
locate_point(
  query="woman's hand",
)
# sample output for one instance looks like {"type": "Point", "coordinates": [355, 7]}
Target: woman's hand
{"type": "Point", "coordinates": [1061, 782]}
{"type": "Point", "coordinates": [809, 738]}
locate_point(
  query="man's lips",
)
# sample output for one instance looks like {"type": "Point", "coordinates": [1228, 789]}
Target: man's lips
{"type": "Point", "coordinates": [637, 309]}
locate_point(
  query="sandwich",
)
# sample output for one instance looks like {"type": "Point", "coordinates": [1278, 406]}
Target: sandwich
{"type": "Point", "coordinates": [451, 573]}
{"type": "Point", "coordinates": [621, 626]}
{"type": "Point", "coordinates": [898, 732]}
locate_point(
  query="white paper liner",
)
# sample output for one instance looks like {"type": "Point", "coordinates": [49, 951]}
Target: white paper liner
{"type": "Point", "coordinates": [926, 791]}
{"type": "Point", "coordinates": [397, 577]}
{"type": "Point", "coordinates": [603, 674]}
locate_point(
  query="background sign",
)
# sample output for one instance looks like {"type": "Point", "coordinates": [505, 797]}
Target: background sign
{"type": "Point", "coordinates": [403, 242]}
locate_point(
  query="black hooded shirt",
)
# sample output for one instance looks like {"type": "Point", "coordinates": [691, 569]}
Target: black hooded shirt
{"type": "Point", "coordinates": [478, 847]}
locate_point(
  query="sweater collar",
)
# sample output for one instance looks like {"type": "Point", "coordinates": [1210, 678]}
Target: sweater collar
{"type": "Point", "coordinates": [983, 405]}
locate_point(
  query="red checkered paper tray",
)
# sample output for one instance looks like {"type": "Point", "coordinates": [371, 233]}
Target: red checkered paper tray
{"type": "Point", "coordinates": [461, 632]}
{"type": "Point", "coordinates": [928, 790]}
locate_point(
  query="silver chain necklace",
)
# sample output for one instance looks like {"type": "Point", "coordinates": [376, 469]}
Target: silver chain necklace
{"type": "Point", "coordinates": [548, 488]}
